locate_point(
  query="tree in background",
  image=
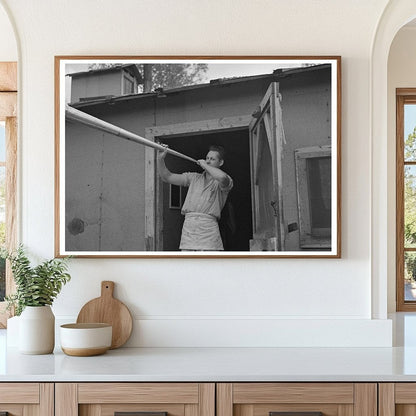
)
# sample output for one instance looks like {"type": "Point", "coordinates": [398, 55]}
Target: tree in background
{"type": "Point", "coordinates": [165, 75]}
{"type": "Point", "coordinates": [410, 190]}
{"type": "Point", "coordinates": [171, 75]}
{"type": "Point", "coordinates": [410, 205]}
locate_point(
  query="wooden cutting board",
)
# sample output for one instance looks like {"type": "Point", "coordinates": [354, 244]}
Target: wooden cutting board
{"type": "Point", "coordinates": [108, 310]}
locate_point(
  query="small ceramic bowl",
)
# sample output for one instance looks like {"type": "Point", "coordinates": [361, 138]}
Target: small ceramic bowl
{"type": "Point", "coordinates": [83, 340]}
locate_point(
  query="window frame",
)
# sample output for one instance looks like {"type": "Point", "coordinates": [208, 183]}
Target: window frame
{"type": "Point", "coordinates": [307, 238]}
{"type": "Point", "coordinates": [8, 113]}
{"type": "Point", "coordinates": [403, 96]}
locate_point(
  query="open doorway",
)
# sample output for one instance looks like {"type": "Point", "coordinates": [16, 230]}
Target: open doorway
{"type": "Point", "coordinates": [236, 217]}
{"type": "Point", "coordinates": [402, 123]}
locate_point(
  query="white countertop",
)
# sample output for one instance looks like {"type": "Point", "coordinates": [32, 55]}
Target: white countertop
{"type": "Point", "coordinates": [221, 364]}
{"type": "Point", "coordinates": [215, 364]}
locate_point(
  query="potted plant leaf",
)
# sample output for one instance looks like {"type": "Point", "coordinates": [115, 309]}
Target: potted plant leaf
{"type": "Point", "coordinates": [36, 289]}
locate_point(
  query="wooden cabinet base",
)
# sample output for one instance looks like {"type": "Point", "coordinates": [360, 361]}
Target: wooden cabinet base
{"type": "Point", "coordinates": [266, 399]}
{"type": "Point", "coordinates": [208, 399]}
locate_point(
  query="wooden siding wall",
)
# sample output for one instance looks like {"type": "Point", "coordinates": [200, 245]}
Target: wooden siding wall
{"type": "Point", "coordinates": [105, 191]}
{"type": "Point", "coordinates": [306, 110]}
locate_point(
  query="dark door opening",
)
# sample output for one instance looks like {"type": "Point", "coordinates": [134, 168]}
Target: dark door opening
{"type": "Point", "coordinates": [236, 217]}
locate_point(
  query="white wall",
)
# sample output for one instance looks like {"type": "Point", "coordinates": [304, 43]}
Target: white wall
{"type": "Point", "coordinates": [8, 46]}
{"type": "Point", "coordinates": [212, 302]}
{"type": "Point", "coordinates": [401, 74]}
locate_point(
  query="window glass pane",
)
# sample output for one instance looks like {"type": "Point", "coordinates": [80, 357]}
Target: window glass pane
{"type": "Point", "coordinates": [410, 132]}
{"type": "Point", "coordinates": [410, 206]}
{"type": "Point", "coordinates": [319, 181]}
{"type": "Point", "coordinates": [409, 275]}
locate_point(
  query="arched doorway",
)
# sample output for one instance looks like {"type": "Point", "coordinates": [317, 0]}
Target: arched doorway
{"type": "Point", "coordinates": [395, 16]}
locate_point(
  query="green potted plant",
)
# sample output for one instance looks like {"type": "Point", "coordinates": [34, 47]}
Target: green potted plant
{"type": "Point", "coordinates": [36, 289]}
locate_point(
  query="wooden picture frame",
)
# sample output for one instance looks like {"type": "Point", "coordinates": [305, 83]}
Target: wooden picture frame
{"type": "Point", "coordinates": [279, 118]}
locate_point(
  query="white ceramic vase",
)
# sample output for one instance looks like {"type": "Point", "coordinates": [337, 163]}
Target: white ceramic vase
{"type": "Point", "coordinates": [37, 330]}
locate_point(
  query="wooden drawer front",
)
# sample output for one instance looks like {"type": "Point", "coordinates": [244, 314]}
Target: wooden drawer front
{"type": "Point", "coordinates": [331, 399]}
{"type": "Point", "coordinates": [405, 393]}
{"type": "Point", "coordinates": [293, 393]}
{"type": "Point", "coordinates": [138, 393]}
{"type": "Point", "coordinates": [19, 393]}
{"type": "Point", "coordinates": [104, 399]}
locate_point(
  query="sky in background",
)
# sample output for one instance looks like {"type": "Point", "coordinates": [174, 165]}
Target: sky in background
{"type": "Point", "coordinates": [409, 119]}
{"type": "Point", "coordinates": [216, 71]}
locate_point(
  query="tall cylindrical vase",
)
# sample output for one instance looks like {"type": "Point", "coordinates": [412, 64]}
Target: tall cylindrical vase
{"type": "Point", "coordinates": [37, 330]}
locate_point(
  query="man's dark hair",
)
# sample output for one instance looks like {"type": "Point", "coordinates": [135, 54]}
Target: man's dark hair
{"type": "Point", "coordinates": [219, 149]}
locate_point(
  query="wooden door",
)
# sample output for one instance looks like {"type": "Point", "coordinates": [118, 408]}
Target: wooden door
{"type": "Point", "coordinates": [297, 399]}
{"type": "Point", "coordinates": [143, 399]}
{"type": "Point", "coordinates": [266, 144]}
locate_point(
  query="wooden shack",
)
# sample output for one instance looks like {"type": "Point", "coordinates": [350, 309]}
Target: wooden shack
{"type": "Point", "coordinates": [276, 129]}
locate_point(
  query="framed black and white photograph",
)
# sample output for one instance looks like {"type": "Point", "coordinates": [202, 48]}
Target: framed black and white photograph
{"type": "Point", "coordinates": [198, 156]}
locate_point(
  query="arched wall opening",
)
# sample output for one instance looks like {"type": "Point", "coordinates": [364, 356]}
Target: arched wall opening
{"type": "Point", "coordinates": [401, 73]}
{"type": "Point", "coordinates": [386, 75]}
